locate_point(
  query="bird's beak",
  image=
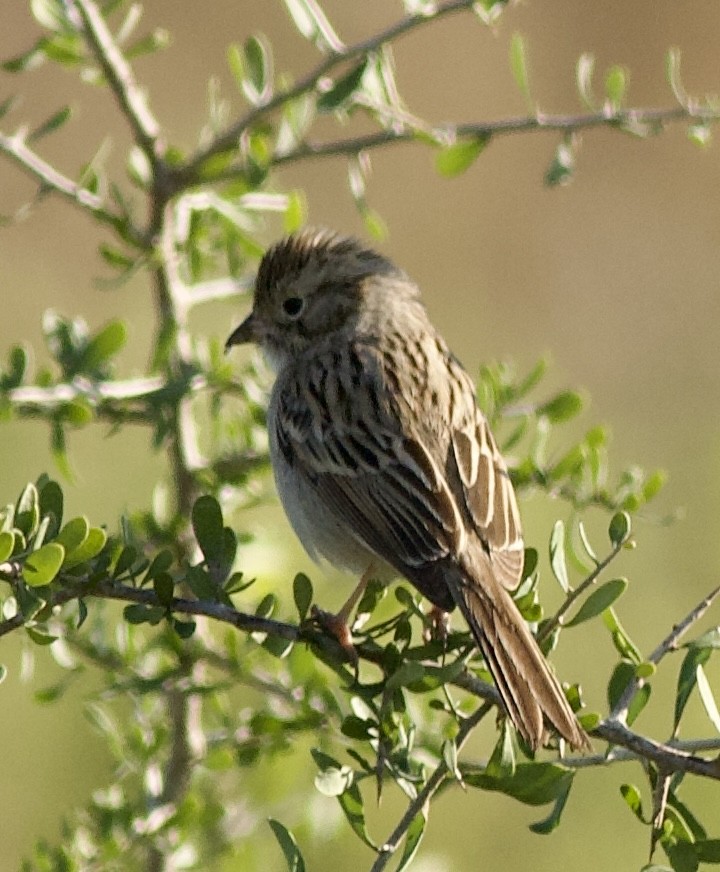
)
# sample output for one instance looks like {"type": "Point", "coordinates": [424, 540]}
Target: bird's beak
{"type": "Point", "coordinates": [244, 333]}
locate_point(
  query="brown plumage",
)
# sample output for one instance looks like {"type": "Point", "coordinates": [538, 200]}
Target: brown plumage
{"type": "Point", "coordinates": [383, 459]}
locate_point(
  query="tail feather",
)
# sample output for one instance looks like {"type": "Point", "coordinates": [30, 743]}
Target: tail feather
{"type": "Point", "coordinates": [530, 691]}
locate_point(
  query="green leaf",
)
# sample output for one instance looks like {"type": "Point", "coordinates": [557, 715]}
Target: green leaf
{"type": "Point", "coordinates": [708, 850]}
{"type": "Point", "coordinates": [127, 558]}
{"type": "Point", "coordinates": [619, 529]}
{"type": "Point", "coordinates": [409, 673]}
{"type": "Point", "coordinates": [27, 511]}
{"type": "Point", "coordinates": [502, 762]}
{"type": "Point", "coordinates": [583, 77]}
{"type": "Point", "coordinates": [413, 838]}
{"type": "Point", "coordinates": [91, 547]}
{"type": "Point", "coordinates": [39, 637]}
{"type": "Point", "coordinates": [518, 65]}
{"type": "Point", "coordinates": [562, 407]}
{"type": "Point", "coordinates": [43, 565]}
{"type": "Point", "coordinates": [333, 781]}
{"type": "Point", "coordinates": [455, 159]}
{"type": "Point", "coordinates": [257, 87]}
{"type": "Point", "coordinates": [552, 821]}
{"type": "Point", "coordinates": [708, 700]}
{"type": "Point", "coordinates": [358, 728]}
{"type": "Point", "coordinates": [207, 522]}
{"type": "Point", "coordinates": [351, 803]}
{"type": "Point", "coordinates": [711, 639]}
{"type": "Point", "coordinates": [700, 134]}
{"type": "Point", "coordinates": [557, 555]}
{"type": "Point", "coordinates": [52, 504]}
{"type": "Point", "coordinates": [18, 358]}
{"type": "Point", "coordinates": [184, 629]}
{"type": "Point", "coordinates": [586, 543]}
{"type": "Point", "coordinates": [622, 675]}
{"type": "Point", "coordinates": [201, 584]}
{"type": "Point", "coordinates": [164, 588]}
{"type": "Point", "coordinates": [54, 122]}
{"type": "Point", "coordinates": [139, 613]}
{"type": "Point", "coordinates": [682, 856]}
{"type": "Point", "coordinates": [654, 484]}
{"type": "Point", "coordinates": [7, 545]}
{"type": "Point", "coordinates": [104, 345]}
{"type": "Point", "coordinates": [74, 533]}
{"type": "Point", "coordinates": [289, 846]}
{"type": "Point", "coordinates": [615, 86]}
{"type": "Point", "coordinates": [672, 72]}
{"type": "Point", "coordinates": [533, 783]}
{"type": "Point", "coordinates": [160, 564]}
{"type": "Point", "coordinates": [598, 601]}
{"type": "Point", "coordinates": [303, 594]}
{"type": "Point", "coordinates": [343, 88]}
{"type": "Point", "coordinates": [632, 797]}
{"type": "Point", "coordinates": [562, 166]}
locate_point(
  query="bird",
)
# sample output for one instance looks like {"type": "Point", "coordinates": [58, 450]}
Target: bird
{"type": "Point", "coordinates": [384, 462]}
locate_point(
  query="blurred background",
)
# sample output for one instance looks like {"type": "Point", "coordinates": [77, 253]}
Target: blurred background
{"type": "Point", "coordinates": [615, 277]}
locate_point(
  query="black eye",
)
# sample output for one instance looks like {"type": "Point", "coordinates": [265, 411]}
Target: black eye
{"type": "Point", "coordinates": [293, 306]}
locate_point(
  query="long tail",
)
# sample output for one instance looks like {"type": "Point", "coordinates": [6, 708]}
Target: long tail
{"type": "Point", "coordinates": [530, 691]}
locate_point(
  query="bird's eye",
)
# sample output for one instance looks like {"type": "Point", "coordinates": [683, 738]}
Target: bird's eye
{"type": "Point", "coordinates": [293, 306]}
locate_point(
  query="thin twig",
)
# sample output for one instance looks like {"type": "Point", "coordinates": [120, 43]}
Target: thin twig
{"type": "Point", "coordinates": [556, 619]}
{"type": "Point", "coordinates": [419, 804]}
{"type": "Point", "coordinates": [669, 643]}
{"type": "Point", "coordinates": [121, 78]}
{"type": "Point", "coordinates": [450, 133]}
{"type": "Point", "coordinates": [228, 139]}
{"type": "Point", "coordinates": [672, 757]}
{"type": "Point", "coordinates": [619, 754]}
{"type": "Point", "coordinates": [50, 179]}
{"type": "Point", "coordinates": [667, 757]}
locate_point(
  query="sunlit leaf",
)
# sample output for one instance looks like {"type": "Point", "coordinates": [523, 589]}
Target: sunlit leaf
{"type": "Point", "coordinates": [518, 65]}
{"type": "Point", "coordinates": [455, 159]}
{"type": "Point", "coordinates": [598, 601]}
{"type": "Point", "coordinates": [557, 555]}
{"type": "Point", "coordinates": [708, 700]}
{"type": "Point", "coordinates": [43, 565]}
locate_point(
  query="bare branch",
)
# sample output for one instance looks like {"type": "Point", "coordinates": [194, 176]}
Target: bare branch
{"type": "Point", "coordinates": [121, 79]}
{"type": "Point", "coordinates": [16, 149]}
{"type": "Point", "coordinates": [667, 757]}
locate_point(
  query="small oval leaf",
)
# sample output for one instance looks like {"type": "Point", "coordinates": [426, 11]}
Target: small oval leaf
{"type": "Point", "coordinates": [43, 565]}
{"type": "Point", "coordinates": [599, 600]}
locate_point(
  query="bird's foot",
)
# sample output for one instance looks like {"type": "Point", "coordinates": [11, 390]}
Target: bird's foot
{"type": "Point", "coordinates": [337, 627]}
{"type": "Point", "coordinates": [438, 625]}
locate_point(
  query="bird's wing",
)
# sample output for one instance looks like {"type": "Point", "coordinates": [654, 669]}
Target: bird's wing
{"type": "Point", "coordinates": [486, 485]}
{"type": "Point", "coordinates": [337, 426]}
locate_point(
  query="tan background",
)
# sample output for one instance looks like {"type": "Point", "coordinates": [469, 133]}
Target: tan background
{"type": "Point", "coordinates": [615, 276]}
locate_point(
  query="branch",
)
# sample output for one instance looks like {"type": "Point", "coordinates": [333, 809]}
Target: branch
{"type": "Point", "coordinates": [121, 79]}
{"type": "Point", "coordinates": [50, 179]}
{"type": "Point", "coordinates": [434, 782]}
{"type": "Point", "coordinates": [449, 133]}
{"type": "Point", "coordinates": [669, 643]}
{"type": "Point", "coordinates": [228, 140]}
{"type": "Point", "coordinates": [669, 758]}
{"type": "Point", "coordinates": [556, 619]}
{"type": "Point", "coordinates": [113, 401]}
{"type": "Point", "coordinates": [672, 757]}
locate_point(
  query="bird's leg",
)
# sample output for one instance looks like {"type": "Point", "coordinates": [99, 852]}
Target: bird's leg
{"type": "Point", "coordinates": [338, 625]}
{"type": "Point", "coordinates": [438, 625]}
